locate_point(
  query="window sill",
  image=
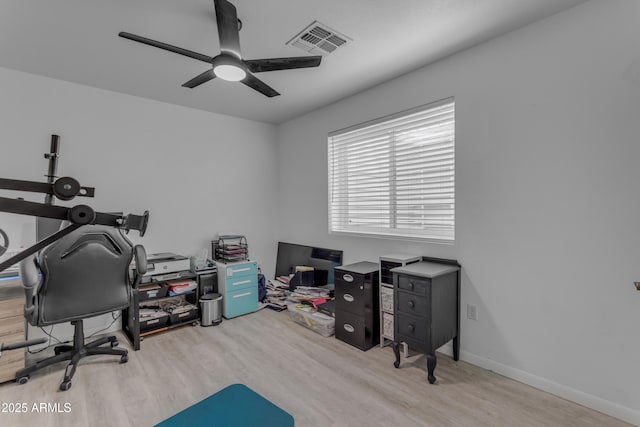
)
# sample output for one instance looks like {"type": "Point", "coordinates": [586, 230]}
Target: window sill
{"type": "Point", "coordinates": [394, 237]}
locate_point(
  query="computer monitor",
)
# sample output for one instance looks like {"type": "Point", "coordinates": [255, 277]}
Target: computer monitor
{"type": "Point", "coordinates": [291, 255]}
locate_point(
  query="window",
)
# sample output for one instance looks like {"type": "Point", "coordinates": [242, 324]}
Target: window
{"type": "Point", "coordinates": [394, 177]}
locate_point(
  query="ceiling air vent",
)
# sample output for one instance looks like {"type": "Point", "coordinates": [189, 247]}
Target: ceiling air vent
{"type": "Point", "coordinates": [319, 39]}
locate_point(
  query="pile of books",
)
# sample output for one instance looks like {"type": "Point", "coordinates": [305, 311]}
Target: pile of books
{"type": "Point", "coordinates": [276, 295]}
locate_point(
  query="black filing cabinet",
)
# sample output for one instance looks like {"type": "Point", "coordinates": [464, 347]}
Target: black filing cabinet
{"type": "Point", "coordinates": [357, 301]}
{"type": "Point", "coordinates": [426, 298]}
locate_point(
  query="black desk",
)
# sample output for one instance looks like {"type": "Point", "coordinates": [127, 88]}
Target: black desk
{"type": "Point", "coordinates": [427, 309]}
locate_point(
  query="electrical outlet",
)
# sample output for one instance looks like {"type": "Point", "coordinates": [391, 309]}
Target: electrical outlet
{"type": "Point", "coordinates": [472, 312]}
{"type": "Point", "coordinates": [637, 285]}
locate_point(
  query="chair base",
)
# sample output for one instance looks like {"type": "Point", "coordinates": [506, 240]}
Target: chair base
{"type": "Point", "coordinates": [74, 353]}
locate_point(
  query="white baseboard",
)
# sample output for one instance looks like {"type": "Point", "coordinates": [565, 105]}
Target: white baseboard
{"type": "Point", "coordinates": [606, 407]}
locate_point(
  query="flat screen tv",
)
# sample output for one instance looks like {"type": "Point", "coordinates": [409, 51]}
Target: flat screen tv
{"type": "Point", "coordinates": [291, 255]}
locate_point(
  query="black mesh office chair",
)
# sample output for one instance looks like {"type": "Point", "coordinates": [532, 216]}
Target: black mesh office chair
{"type": "Point", "coordinates": [84, 274]}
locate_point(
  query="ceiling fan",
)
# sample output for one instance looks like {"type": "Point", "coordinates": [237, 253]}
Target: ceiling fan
{"type": "Point", "coordinates": [229, 64]}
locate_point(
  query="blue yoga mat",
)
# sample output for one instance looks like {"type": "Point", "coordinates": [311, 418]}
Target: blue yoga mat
{"type": "Point", "coordinates": [233, 406]}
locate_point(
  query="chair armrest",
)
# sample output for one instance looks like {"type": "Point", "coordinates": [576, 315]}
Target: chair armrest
{"type": "Point", "coordinates": [141, 263]}
{"type": "Point", "coordinates": [30, 278]}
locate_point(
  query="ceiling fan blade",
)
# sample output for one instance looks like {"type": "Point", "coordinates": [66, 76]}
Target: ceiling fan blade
{"type": "Point", "coordinates": [257, 84]}
{"type": "Point", "coordinates": [227, 20]}
{"type": "Point", "coordinates": [170, 48]}
{"type": "Point", "coordinates": [274, 64]}
{"type": "Point", "coordinates": [199, 79]}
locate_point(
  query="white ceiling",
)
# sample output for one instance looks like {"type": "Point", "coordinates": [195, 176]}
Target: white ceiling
{"type": "Point", "coordinates": [77, 41]}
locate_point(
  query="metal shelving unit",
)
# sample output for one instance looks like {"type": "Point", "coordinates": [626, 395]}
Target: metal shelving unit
{"type": "Point", "coordinates": [131, 315]}
{"type": "Point", "coordinates": [387, 262]}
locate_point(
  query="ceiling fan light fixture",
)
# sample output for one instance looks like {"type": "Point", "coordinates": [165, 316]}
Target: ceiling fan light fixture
{"type": "Point", "coordinates": [229, 72]}
{"type": "Point", "coordinates": [229, 64]}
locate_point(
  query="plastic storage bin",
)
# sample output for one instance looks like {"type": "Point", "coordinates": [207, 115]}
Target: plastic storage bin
{"type": "Point", "coordinates": [317, 322]}
{"type": "Point", "coordinates": [152, 291]}
{"type": "Point", "coordinates": [156, 322]}
{"type": "Point", "coordinates": [178, 317]}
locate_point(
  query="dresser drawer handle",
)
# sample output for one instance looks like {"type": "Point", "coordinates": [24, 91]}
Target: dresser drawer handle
{"type": "Point", "coordinates": [410, 285]}
{"type": "Point", "coordinates": [348, 297]}
{"type": "Point", "coordinates": [242, 295]}
{"type": "Point", "coordinates": [243, 282]}
{"type": "Point", "coordinates": [349, 328]}
{"type": "Point", "coordinates": [347, 278]}
{"type": "Point", "coordinates": [412, 304]}
{"type": "Point", "coordinates": [412, 327]}
{"type": "Point", "coordinates": [231, 271]}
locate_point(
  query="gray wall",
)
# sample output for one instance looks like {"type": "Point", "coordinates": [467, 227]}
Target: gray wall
{"type": "Point", "coordinates": [546, 197]}
{"type": "Point", "coordinates": [197, 173]}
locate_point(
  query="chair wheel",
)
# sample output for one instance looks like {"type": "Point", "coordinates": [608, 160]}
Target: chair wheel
{"type": "Point", "coordinates": [23, 380]}
{"type": "Point", "coordinates": [396, 364]}
{"type": "Point", "coordinates": [124, 359]}
{"type": "Point", "coordinates": [114, 343]}
{"type": "Point", "coordinates": [66, 385]}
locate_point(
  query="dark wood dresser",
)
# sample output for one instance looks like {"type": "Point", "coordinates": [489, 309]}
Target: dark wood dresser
{"type": "Point", "coordinates": [427, 309]}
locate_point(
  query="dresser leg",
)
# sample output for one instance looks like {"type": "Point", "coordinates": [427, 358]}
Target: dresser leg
{"type": "Point", "coordinates": [431, 366]}
{"type": "Point", "coordinates": [456, 348]}
{"type": "Point", "coordinates": [396, 352]}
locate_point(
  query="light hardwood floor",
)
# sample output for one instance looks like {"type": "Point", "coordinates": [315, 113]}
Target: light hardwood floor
{"type": "Point", "coordinates": [321, 381]}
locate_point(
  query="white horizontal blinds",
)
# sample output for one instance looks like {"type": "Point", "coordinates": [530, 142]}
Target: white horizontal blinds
{"type": "Point", "coordinates": [395, 176]}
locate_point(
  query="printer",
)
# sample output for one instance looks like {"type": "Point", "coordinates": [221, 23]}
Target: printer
{"type": "Point", "coordinates": [166, 264]}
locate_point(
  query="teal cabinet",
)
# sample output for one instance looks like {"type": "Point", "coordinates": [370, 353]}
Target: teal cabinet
{"type": "Point", "coordinates": [238, 284]}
